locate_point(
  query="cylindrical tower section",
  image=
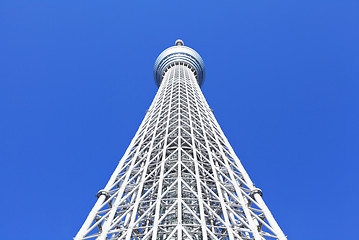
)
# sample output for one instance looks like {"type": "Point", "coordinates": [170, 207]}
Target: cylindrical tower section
{"type": "Point", "coordinates": [175, 54]}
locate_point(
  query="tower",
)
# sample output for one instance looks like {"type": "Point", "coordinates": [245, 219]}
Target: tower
{"type": "Point", "coordinates": [180, 178]}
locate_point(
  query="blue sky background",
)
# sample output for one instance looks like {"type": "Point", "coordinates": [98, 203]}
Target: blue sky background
{"type": "Point", "coordinates": [76, 80]}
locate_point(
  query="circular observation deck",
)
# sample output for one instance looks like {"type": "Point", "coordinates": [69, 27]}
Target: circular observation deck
{"type": "Point", "coordinates": [177, 54]}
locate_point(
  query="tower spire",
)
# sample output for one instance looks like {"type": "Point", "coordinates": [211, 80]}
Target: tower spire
{"type": "Point", "coordinates": [179, 42]}
{"type": "Point", "coordinates": [180, 178]}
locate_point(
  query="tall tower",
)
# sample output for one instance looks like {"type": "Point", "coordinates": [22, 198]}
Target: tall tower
{"type": "Point", "coordinates": [180, 178]}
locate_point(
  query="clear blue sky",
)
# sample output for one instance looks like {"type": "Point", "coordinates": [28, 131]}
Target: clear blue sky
{"type": "Point", "coordinates": [76, 80]}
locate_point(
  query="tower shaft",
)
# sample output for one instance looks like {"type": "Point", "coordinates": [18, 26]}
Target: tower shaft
{"type": "Point", "coordinates": [180, 178]}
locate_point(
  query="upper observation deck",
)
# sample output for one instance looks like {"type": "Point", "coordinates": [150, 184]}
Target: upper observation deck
{"type": "Point", "coordinates": [179, 53]}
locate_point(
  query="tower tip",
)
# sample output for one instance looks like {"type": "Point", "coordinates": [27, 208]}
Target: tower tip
{"type": "Point", "coordinates": [179, 42]}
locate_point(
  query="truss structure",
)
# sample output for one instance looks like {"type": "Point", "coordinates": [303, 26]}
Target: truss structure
{"type": "Point", "coordinates": [180, 178]}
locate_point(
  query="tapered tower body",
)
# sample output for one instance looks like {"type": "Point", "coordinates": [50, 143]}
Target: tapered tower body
{"type": "Point", "coordinates": [180, 178]}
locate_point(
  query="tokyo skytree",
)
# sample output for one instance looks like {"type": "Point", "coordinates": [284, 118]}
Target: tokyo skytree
{"type": "Point", "coordinates": [179, 177]}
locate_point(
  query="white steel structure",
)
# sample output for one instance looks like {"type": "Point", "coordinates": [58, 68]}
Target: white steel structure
{"type": "Point", "coordinates": [180, 178]}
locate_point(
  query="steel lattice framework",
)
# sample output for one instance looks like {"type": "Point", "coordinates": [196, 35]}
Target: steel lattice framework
{"type": "Point", "coordinates": [180, 178]}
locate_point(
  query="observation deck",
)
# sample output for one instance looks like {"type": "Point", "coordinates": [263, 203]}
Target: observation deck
{"type": "Point", "coordinates": [175, 54]}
